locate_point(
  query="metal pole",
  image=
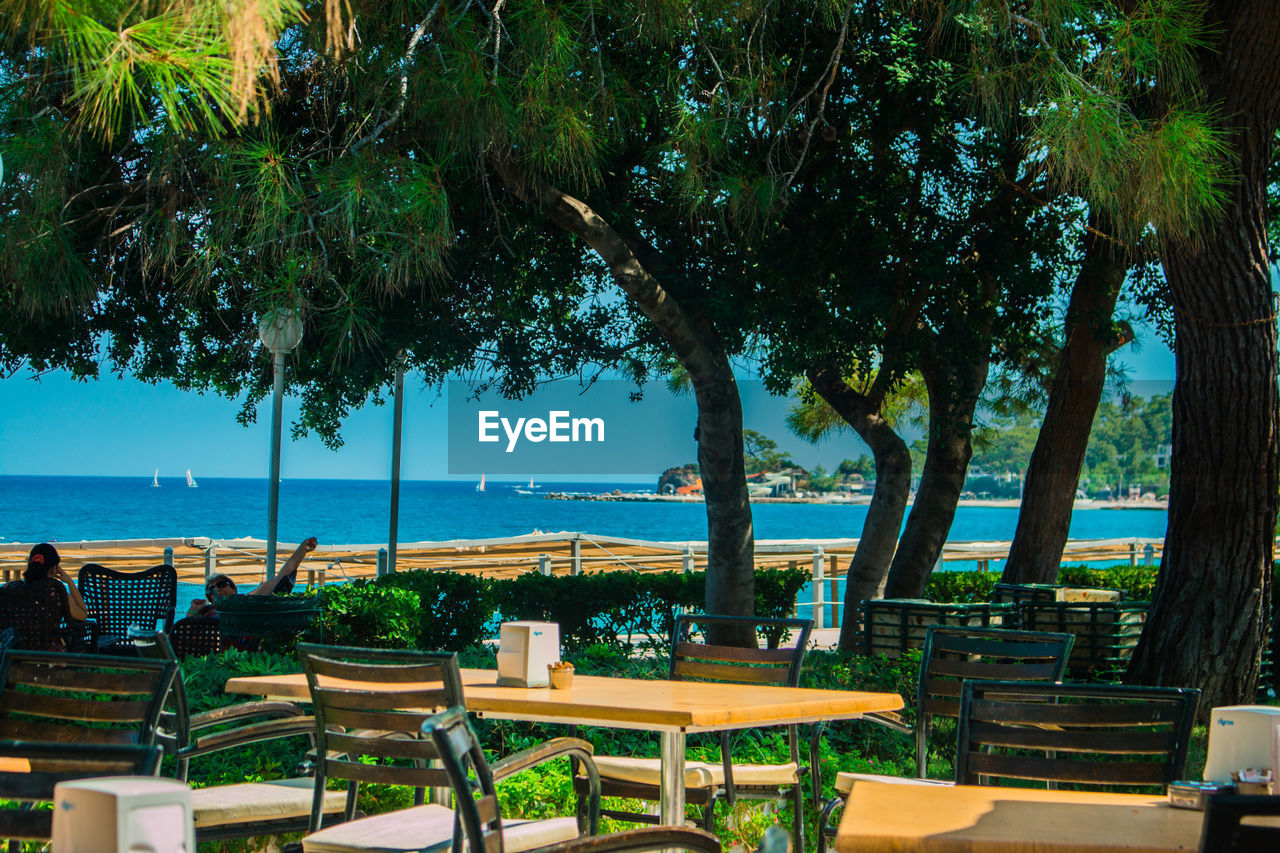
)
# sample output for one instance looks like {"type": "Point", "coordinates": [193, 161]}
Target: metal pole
{"type": "Point", "coordinates": [398, 418]}
{"type": "Point", "coordinates": [168, 556]}
{"type": "Point", "coordinates": [273, 494]}
{"type": "Point", "coordinates": [819, 580]}
{"type": "Point", "coordinates": [382, 561]}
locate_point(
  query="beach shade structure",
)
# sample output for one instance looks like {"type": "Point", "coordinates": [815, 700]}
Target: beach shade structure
{"type": "Point", "coordinates": [397, 433]}
{"type": "Point", "coordinates": [480, 816]}
{"type": "Point", "coordinates": [707, 782]}
{"type": "Point", "coordinates": [38, 614]}
{"type": "Point", "coordinates": [280, 331]}
{"type": "Point", "coordinates": [128, 602]}
{"type": "Point", "coordinates": [1093, 735]}
{"type": "Point", "coordinates": [30, 771]}
{"type": "Point", "coordinates": [950, 656]}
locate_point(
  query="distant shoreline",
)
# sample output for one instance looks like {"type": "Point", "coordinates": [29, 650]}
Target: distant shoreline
{"type": "Point", "coordinates": [856, 500]}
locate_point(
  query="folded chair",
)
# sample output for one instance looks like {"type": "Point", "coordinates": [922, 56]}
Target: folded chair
{"type": "Point", "coordinates": [480, 817]}
{"type": "Point", "coordinates": [1094, 735]}
{"type": "Point", "coordinates": [707, 782]}
{"type": "Point", "coordinates": [370, 706]}
{"type": "Point", "coordinates": [950, 656]}
{"type": "Point", "coordinates": [243, 809]}
{"type": "Point", "coordinates": [118, 601]}
{"type": "Point", "coordinates": [29, 772]}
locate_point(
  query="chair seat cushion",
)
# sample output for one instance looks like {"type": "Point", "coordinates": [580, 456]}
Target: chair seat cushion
{"type": "Point", "coordinates": [253, 801]}
{"type": "Point", "coordinates": [429, 829]}
{"type": "Point", "coordinates": [697, 774]}
{"type": "Point", "coordinates": [845, 780]}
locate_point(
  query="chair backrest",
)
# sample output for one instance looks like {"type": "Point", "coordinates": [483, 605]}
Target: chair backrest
{"type": "Point", "coordinates": [1089, 734]}
{"type": "Point", "coordinates": [196, 636]}
{"type": "Point", "coordinates": [64, 698]}
{"type": "Point", "coordinates": [29, 772]}
{"type": "Point", "coordinates": [1223, 831]}
{"type": "Point", "coordinates": [892, 626]}
{"type": "Point", "coordinates": [118, 600]}
{"type": "Point", "coordinates": [691, 661]}
{"type": "Point", "coordinates": [37, 612]}
{"type": "Point", "coordinates": [1106, 632]}
{"type": "Point", "coordinates": [375, 711]}
{"type": "Point", "coordinates": [479, 815]}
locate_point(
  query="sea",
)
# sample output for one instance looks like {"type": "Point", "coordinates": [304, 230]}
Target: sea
{"type": "Point", "coordinates": [348, 512]}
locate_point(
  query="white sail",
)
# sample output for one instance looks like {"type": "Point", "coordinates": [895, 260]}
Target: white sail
{"type": "Point", "coordinates": [191, 481]}
{"type": "Point", "coordinates": [480, 485]}
{"type": "Point", "coordinates": [155, 481]}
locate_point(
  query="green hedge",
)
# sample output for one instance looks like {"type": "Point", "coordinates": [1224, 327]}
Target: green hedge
{"type": "Point", "coordinates": [455, 611]}
{"type": "Point", "coordinates": [1136, 583]}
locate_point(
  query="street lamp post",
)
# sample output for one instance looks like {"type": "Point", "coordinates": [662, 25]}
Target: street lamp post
{"type": "Point", "coordinates": [280, 331]}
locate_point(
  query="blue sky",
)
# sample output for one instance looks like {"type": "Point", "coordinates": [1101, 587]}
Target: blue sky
{"type": "Point", "coordinates": [53, 425]}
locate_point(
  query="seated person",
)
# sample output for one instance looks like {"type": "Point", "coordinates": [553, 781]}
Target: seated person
{"type": "Point", "coordinates": [45, 562]}
{"type": "Point", "coordinates": [221, 586]}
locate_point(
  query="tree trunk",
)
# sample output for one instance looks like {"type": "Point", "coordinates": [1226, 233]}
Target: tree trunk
{"type": "Point", "coordinates": [1049, 491]}
{"type": "Point", "coordinates": [730, 538]}
{"type": "Point", "coordinates": [1207, 623]}
{"type": "Point", "coordinates": [954, 385]}
{"type": "Point", "coordinates": [869, 568]}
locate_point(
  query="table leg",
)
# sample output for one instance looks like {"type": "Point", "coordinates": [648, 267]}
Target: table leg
{"type": "Point", "coordinates": [671, 802]}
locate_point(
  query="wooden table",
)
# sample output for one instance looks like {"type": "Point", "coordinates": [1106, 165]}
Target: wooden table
{"type": "Point", "coordinates": [882, 816]}
{"type": "Point", "coordinates": [671, 708]}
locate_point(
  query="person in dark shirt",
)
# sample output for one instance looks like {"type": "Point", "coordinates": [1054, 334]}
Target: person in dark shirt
{"type": "Point", "coordinates": [45, 562]}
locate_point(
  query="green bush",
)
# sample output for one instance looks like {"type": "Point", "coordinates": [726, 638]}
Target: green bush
{"type": "Point", "coordinates": [366, 614]}
{"type": "Point", "coordinates": [1136, 583]}
{"type": "Point", "coordinates": [455, 610]}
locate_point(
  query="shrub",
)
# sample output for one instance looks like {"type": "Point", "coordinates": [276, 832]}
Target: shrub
{"type": "Point", "coordinates": [454, 611]}
{"type": "Point", "coordinates": [361, 613]}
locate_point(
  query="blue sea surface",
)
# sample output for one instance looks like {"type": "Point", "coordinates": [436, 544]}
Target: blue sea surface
{"type": "Point", "coordinates": [339, 512]}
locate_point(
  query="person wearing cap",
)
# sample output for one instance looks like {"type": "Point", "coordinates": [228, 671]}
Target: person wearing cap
{"type": "Point", "coordinates": [45, 562]}
{"type": "Point", "coordinates": [220, 586]}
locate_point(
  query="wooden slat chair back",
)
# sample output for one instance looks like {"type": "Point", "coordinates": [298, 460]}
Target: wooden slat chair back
{"type": "Point", "coordinates": [38, 614]}
{"type": "Point", "coordinates": [370, 704]}
{"type": "Point", "coordinates": [63, 698]}
{"type": "Point", "coordinates": [479, 816]}
{"type": "Point", "coordinates": [953, 655]}
{"type": "Point", "coordinates": [778, 663]}
{"type": "Point", "coordinates": [1093, 735]}
{"type": "Point", "coordinates": [29, 772]}
{"type": "Point", "coordinates": [196, 636]}
{"type": "Point", "coordinates": [119, 600]}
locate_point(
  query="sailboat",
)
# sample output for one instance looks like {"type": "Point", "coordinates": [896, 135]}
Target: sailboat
{"type": "Point", "coordinates": [191, 481]}
{"type": "Point", "coordinates": [480, 485]}
{"type": "Point", "coordinates": [155, 481]}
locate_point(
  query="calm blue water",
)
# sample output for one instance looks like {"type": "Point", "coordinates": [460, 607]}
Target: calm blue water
{"type": "Point", "coordinates": [34, 509]}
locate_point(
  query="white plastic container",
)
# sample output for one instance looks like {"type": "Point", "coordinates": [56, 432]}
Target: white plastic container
{"type": "Point", "coordinates": [1240, 737]}
{"type": "Point", "coordinates": [524, 650]}
{"type": "Point", "coordinates": [123, 814]}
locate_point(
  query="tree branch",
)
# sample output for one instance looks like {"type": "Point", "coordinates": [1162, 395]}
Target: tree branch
{"type": "Point", "coordinates": [418, 33]}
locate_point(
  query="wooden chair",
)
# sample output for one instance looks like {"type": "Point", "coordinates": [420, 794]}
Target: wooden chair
{"type": "Point", "coordinates": [55, 697]}
{"type": "Point", "coordinates": [707, 782]}
{"type": "Point", "coordinates": [118, 601]}
{"type": "Point", "coordinates": [38, 614]}
{"type": "Point", "coordinates": [1090, 734]}
{"type": "Point", "coordinates": [949, 657]}
{"type": "Point", "coordinates": [1223, 831]}
{"type": "Point", "coordinates": [196, 636]}
{"type": "Point", "coordinates": [374, 715]}
{"type": "Point", "coordinates": [29, 772]}
{"type": "Point", "coordinates": [243, 809]}
{"type": "Point", "coordinates": [480, 816]}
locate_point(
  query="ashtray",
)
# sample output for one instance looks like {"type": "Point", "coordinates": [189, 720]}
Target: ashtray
{"type": "Point", "coordinates": [1192, 795]}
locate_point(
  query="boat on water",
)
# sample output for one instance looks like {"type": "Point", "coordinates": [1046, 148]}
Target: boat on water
{"type": "Point", "coordinates": [155, 480]}
{"type": "Point", "coordinates": [191, 481]}
{"type": "Point", "coordinates": [480, 485]}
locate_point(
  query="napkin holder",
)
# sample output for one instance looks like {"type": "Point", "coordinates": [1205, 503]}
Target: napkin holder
{"type": "Point", "coordinates": [122, 813]}
{"type": "Point", "coordinates": [524, 650]}
{"type": "Point", "coordinates": [1239, 736]}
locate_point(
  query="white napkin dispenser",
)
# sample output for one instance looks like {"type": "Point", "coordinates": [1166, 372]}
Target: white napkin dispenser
{"type": "Point", "coordinates": [524, 650]}
{"type": "Point", "coordinates": [1239, 737]}
{"type": "Point", "coordinates": [123, 814]}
